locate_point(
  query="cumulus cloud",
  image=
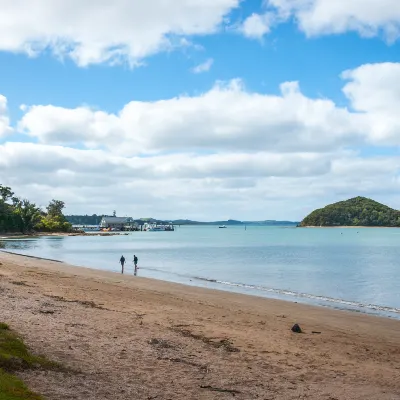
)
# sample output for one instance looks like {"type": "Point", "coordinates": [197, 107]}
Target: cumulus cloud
{"type": "Point", "coordinates": [227, 117]}
{"type": "Point", "coordinates": [374, 91]}
{"type": "Point", "coordinates": [92, 32]}
{"type": "Point", "coordinates": [257, 25]}
{"type": "Point", "coordinates": [203, 67]}
{"type": "Point", "coordinates": [175, 184]}
{"type": "Point", "coordinates": [205, 156]}
{"type": "Point", "coordinates": [26, 157]}
{"type": "Point", "coordinates": [4, 119]}
{"type": "Point", "coordinates": [374, 87]}
{"type": "Point", "coordinates": [195, 186]}
{"type": "Point", "coordinates": [320, 17]}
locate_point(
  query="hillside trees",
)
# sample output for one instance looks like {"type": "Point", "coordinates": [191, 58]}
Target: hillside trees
{"type": "Point", "coordinates": [359, 211]}
{"type": "Point", "coordinates": [54, 220]}
{"type": "Point", "coordinates": [24, 216]}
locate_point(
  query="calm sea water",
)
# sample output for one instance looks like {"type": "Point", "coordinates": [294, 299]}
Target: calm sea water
{"type": "Point", "coordinates": [356, 269]}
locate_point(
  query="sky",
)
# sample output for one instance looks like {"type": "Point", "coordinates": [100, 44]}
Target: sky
{"type": "Point", "coordinates": [200, 109]}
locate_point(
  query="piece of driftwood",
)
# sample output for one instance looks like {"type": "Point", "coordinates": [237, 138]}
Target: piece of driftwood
{"type": "Point", "coordinates": [224, 344]}
{"type": "Point", "coordinates": [216, 389]}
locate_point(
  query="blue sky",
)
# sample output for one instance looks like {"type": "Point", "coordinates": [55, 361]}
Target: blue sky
{"type": "Point", "coordinates": [143, 133]}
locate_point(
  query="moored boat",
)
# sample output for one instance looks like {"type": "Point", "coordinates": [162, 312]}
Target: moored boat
{"type": "Point", "coordinates": [158, 227]}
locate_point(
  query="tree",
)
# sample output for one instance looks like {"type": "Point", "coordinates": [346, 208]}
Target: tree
{"type": "Point", "coordinates": [55, 208]}
{"type": "Point", "coordinates": [23, 216]}
{"type": "Point", "coordinates": [5, 192]}
{"type": "Point", "coordinates": [54, 221]}
{"type": "Point", "coordinates": [27, 215]}
{"type": "Point", "coordinates": [7, 217]}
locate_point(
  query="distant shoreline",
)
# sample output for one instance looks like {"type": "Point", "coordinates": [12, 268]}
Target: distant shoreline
{"type": "Point", "coordinates": [58, 234]}
{"type": "Point", "coordinates": [30, 235]}
{"type": "Point", "coordinates": [349, 227]}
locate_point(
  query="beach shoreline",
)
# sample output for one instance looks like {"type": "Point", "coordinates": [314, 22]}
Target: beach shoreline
{"type": "Point", "coordinates": [136, 337]}
{"type": "Point", "coordinates": [100, 272]}
{"type": "Point", "coordinates": [312, 300]}
{"type": "Point", "coordinates": [11, 236]}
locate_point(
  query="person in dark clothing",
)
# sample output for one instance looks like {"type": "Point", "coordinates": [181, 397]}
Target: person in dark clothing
{"type": "Point", "coordinates": [135, 261]}
{"type": "Point", "coordinates": [122, 261]}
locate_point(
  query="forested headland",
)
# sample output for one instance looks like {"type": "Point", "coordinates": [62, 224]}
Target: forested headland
{"type": "Point", "coordinates": [358, 211]}
{"type": "Point", "coordinates": [23, 216]}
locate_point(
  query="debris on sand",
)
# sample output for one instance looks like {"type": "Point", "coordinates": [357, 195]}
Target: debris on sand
{"type": "Point", "coordinates": [296, 328]}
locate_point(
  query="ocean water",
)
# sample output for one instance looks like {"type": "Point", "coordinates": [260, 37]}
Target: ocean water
{"type": "Point", "coordinates": [353, 269]}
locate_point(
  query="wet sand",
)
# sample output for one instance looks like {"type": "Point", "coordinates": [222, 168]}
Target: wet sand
{"type": "Point", "coordinates": [126, 337]}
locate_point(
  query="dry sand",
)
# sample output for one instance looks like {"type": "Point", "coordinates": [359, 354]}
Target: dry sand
{"type": "Point", "coordinates": [136, 338]}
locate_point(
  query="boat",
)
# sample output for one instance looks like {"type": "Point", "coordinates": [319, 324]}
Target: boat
{"type": "Point", "coordinates": [222, 227]}
{"type": "Point", "coordinates": [155, 228]}
{"type": "Point", "coordinates": [158, 227]}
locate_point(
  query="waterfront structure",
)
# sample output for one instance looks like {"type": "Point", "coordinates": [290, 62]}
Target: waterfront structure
{"type": "Point", "coordinates": [118, 223]}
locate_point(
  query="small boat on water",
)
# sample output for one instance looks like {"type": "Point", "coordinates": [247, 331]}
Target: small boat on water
{"type": "Point", "coordinates": [158, 227]}
{"type": "Point", "coordinates": [222, 227]}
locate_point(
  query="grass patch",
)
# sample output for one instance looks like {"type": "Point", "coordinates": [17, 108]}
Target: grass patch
{"type": "Point", "coordinates": [12, 388]}
{"type": "Point", "coordinates": [14, 356]}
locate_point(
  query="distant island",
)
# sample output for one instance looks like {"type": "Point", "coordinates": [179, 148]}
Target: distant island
{"type": "Point", "coordinates": [358, 211]}
{"type": "Point", "coordinates": [95, 220]}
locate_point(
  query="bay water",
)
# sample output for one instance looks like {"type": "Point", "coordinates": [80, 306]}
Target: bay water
{"type": "Point", "coordinates": [356, 269]}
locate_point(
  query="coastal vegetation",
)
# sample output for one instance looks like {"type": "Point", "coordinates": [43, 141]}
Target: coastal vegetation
{"type": "Point", "coordinates": [14, 356]}
{"type": "Point", "coordinates": [85, 219]}
{"type": "Point", "coordinates": [358, 211]}
{"type": "Point", "coordinates": [23, 216]}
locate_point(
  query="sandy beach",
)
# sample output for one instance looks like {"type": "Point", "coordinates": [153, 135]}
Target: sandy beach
{"type": "Point", "coordinates": [125, 337]}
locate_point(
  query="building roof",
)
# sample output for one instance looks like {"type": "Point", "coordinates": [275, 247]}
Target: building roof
{"type": "Point", "coordinates": [116, 220]}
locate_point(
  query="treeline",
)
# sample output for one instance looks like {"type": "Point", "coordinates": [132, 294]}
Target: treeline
{"type": "Point", "coordinates": [358, 211]}
{"type": "Point", "coordinates": [84, 219]}
{"type": "Point", "coordinates": [23, 216]}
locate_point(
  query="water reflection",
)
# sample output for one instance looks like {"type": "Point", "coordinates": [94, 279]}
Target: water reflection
{"type": "Point", "coordinates": [19, 244]}
{"type": "Point", "coordinates": [55, 242]}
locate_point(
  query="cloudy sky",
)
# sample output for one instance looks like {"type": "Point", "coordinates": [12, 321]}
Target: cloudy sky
{"type": "Point", "coordinates": [201, 109]}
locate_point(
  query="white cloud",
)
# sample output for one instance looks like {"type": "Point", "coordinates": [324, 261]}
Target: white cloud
{"type": "Point", "coordinates": [257, 25]}
{"type": "Point", "coordinates": [204, 67]}
{"type": "Point", "coordinates": [180, 185]}
{"type": "Point", "coordinates": [92, 32]}
{"type": "Point", "coordinates": [208, 186]}
{"type": "Point", "coordinates": [4, 119]}
{"type": "Point", "coordinates": [320, 17]}
{"type": "Point", "coordinates": [27, 158]}
{"type": "Point", "coordinates": [51, 124]}
{"type": "Point", "coordinates": [374, 90]}
{"type": "Point", "coordinates": [205, 156]}
{"type": "Point", "coordinates": [226, 118]}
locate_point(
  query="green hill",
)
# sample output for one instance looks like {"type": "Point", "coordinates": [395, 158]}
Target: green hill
{"type": "Point", "coordinates": [358, 211]}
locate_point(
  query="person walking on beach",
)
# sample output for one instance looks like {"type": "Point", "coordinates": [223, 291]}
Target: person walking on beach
{"type": "Point", "coordinates": [135, 261]}
{"type": "Point", "coordinates": [122, 261]}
